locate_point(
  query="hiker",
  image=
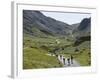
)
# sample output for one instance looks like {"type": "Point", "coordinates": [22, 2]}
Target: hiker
{"type": "Point", "coordinates": [64, 61]}
{"type": "Point", "coordinates": [71, 59]}
{"type": "Point", "coordinates": [60, 56]}
{"type": "Point", "coordinates": [68, 60]}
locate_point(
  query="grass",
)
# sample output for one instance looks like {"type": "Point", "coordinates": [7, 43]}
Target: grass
{"type": "Point", "coordinates": [84, 58]}
{"type": "Point", "coordinates": [38, 58]}
{"type": "Point", "coordinates": [36, 50]}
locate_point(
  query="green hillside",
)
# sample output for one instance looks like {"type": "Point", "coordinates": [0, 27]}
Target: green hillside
{"type": "Point", "coordinates": [38, 52]}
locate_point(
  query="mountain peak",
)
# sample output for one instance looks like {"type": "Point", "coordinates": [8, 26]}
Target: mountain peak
{"type": "Point", "coordinates": [85, 23]}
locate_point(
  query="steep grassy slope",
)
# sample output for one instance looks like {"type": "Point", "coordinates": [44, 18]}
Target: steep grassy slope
{"type": "Point", "coordinates": [38, 58]}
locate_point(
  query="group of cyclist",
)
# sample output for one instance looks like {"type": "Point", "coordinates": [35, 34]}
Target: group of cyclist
{"type": "Point", "coordinates": [69, 60]}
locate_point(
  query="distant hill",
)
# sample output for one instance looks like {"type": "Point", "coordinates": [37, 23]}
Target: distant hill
{"type": "Point", "coordinates": [82, 32]}
{"type": "Point", "coordinates": [37, 24]}
{"type": "Point", "coordinates": [83, 29]}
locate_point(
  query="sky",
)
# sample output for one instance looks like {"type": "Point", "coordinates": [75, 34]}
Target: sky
{"type": "Point", "coordinates": [69, 18]}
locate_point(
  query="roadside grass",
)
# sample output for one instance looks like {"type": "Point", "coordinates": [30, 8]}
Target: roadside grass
{"type": "Point", "coordinates": [84, 58]}
{"type": "Point", "coordinates": [37, 58]}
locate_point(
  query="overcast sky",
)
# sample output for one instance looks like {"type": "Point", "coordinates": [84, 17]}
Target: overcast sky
{"type": "Point", "coordinates": [70, 18]}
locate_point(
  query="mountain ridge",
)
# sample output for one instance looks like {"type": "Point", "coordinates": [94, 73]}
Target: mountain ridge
{"type": "Point", "coordinates": [37, 24]}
